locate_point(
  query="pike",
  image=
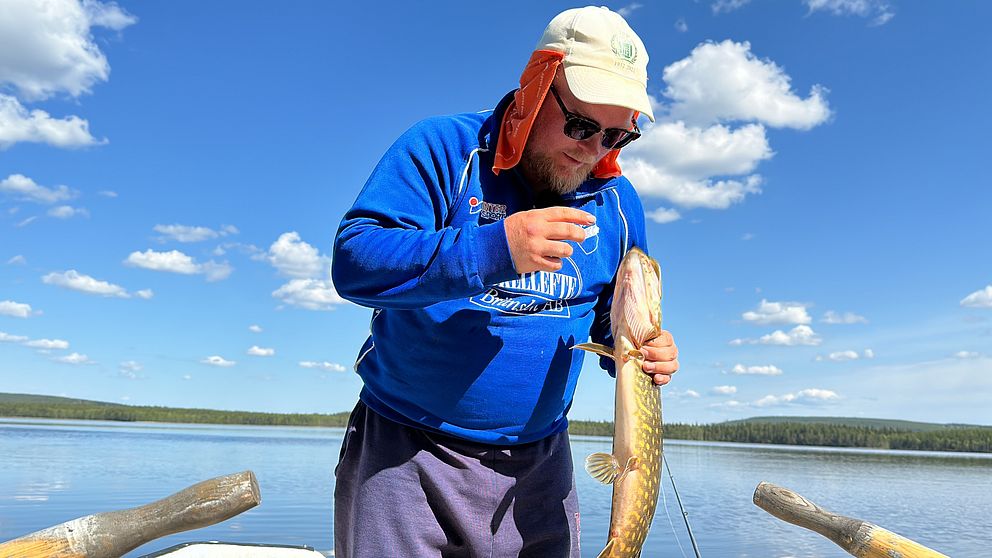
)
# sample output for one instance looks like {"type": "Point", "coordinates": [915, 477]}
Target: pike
{"type": "Point", "coordinates": [634, 467]}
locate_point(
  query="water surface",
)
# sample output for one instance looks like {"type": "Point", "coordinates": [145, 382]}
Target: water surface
{"type": "Point", "coordinates": [54, 471]}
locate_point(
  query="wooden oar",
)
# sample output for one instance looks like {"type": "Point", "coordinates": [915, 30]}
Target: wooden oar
{"type": "Point", "coordinates": [112, 534]}
{"type": "Point", "coordinates": [858, 538]}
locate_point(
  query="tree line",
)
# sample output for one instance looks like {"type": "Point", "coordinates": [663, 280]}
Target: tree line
{"type": "Point", "coordinates": [962, 439]}
{"type": "Point", "coordinates": [126, 413]}
{"type": "Point", "coordinates": [815, 434]}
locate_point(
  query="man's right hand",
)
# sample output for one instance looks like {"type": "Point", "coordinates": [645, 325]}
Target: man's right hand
{"type": "Point", "coordinates": [535, 237]}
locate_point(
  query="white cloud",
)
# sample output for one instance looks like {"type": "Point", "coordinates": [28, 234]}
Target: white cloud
{"type": "Point", "coordinates": [144, 293]}
{"type": "Point", "coordinates": [725, 6]}
{"type": "Point", "coordinates": [966, 354]}
{"type": "Point", "coordinates": [215, 360]}
{"type": "Point", "coordinates": [663, 215]}
{"type": "Point", "coordinates": [18, 124]}
{"type": "Point", "coordinates": [681, 26]}
{"type": "Point", "coordinates": [310, 287]}
{"type": "Point", "coordinates": [108, 15]}
{"type": "Point", "coordinates": [311, 294]}
{"type": "Point", "coordinates": [23, 188]}
{"type": "Point", "coordinates": [26, 222]}
{"type": "Point", "coordinates": [67, 212]}
{"type": "Point", "coordinates": [724, 390]}
{"type": "Point", "coordinates": [726, 82]}
{"type": "Point", "coordinates": [799, 335]}
{"type": "Point", "coordinates": [107, 193]}
{"type": "Point", "coordinates": [186, 233]}
{"type": "Point", "coordinates": [778, 313]}
{"type": "Point", "coordinates": [691, 393]}
{"type": "Point", "coordinates": [47, 344]}
{"type": "Point", "coordinates": [679, 162]}
{"type": "Point", "coordinates": [76, 281]}
{"type": "Point", "coordinates": [627, 10]}
{"type": "Point", "coordinates": [295, 258]}
{"type": "Point", "coordinates": [842, 356]}
{"type": "Point", "coordinates": [130, 368]}
{"type": "Point", "coordinates": [74, 358]}
{"type": "Point", "coordinates": [329, 366]}
{"type": "Point", "coordinates": [175, 261]}
{"type": "Point", "coordinates": [693, 152]}
{"type": "Point", "coordinates": [748, 236]}
{"type": "Point", "coordinates": [51, 45]}
{"type": "Point", "coordinates": [769, 370]}
{"type": "Point", "coordinates": [254, 328]}
{"type": "Point", "coordinates": [879, 10]}
{"type": "Point", "coordinates": [806, 396]}
{"type": "Point", "coordinates": [15, 309]}
{"type": "Point", "coordinates": [255, 350]}
{"type": "Point", "coordinates": [831, 317]}
{"type": "Point", "coordinates": [8, 338]}
{"type": "Point", "coordinates": [981, 298]}
{"type": "Point", "coordinates": [17, 260]}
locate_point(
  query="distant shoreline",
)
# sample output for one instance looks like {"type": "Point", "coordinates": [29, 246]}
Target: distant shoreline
{"type": "Point", "coordinates": [839, 432]}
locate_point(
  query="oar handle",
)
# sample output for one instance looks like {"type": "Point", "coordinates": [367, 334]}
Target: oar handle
{"type": "Point", "coordinates": [859, 538]}
{"type": "Point", "coordinates": [112, 534]}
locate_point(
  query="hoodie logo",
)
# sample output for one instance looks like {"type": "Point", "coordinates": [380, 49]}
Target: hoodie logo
{"type": "Point", "coordinates": [542, 293]}
{"type": "Point", "coordinates": [491, 211]}
{"type": "Point", "coordinates": [591, 243]}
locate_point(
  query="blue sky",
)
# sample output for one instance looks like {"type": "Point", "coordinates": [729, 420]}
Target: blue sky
{"type": "Point", "coordinates": [172, 175]}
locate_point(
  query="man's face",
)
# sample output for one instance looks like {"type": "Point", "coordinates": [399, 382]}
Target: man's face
{"type": "Point", "coordinates": [556, 162]}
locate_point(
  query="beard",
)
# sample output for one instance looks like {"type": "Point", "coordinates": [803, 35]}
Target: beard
{"type": "Point", "coordinates": [544, 175]}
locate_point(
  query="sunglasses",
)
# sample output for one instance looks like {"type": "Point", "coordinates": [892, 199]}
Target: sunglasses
{"type": "Point", "coordinates": [579, 127]}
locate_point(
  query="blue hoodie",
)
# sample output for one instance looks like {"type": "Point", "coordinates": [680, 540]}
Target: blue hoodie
{"type": "Point", "coordinates": [460, 343]}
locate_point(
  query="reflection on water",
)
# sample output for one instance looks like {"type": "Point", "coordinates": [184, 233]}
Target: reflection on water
{"type": "Point", "coordinates": [54, 471]}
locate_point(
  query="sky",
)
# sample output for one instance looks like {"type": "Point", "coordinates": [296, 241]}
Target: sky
{"type": "Point", "coordinates": [172, 175]}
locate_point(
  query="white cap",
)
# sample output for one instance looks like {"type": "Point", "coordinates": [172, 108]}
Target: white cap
{"type": "Point", "coordinates": [605, 61]}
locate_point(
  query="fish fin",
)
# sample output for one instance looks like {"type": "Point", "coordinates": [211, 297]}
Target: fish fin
{"type": "Point", "coordinates": [631, 465]}
{"type": "Point", "coordinates": [597, 348]}
{"type": "Point", "coordinates": [634, 354]}
{"type": "Point", "coordinates": [608, 550]}
{"type": "Point", "coordinates": [603, 467]}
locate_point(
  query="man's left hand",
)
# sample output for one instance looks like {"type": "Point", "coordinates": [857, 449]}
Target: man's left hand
{"type": "Point", "coordinates": [661, 358]}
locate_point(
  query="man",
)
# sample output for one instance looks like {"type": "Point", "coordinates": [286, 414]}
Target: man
{"type": "Point", "coordinates": [486, 244]}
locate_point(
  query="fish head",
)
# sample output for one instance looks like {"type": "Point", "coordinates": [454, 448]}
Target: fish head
{"type": "Point", "coordinates": [635, 316]}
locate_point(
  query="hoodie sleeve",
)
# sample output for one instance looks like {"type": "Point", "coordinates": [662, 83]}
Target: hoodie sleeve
{"type": "Point", "coordinates": [632, 212]}
{"type": "Point", "coordinates": [394, 249]}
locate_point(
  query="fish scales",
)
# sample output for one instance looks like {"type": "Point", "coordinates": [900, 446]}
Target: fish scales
{"type": "Point", "coordinates": [634, 467]}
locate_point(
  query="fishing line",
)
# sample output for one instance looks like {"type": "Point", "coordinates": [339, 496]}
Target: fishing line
{"type": "Point", "coordinates": [685, 515]}
{"type": "Point", "coordinates": [664, 504]}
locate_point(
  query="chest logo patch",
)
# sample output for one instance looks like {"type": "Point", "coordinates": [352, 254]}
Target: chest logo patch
{"type": "Point", "coordinates": [541, 293]}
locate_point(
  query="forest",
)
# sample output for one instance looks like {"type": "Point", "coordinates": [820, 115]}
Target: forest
{"type": "Point", "coordinates": [799, 431]}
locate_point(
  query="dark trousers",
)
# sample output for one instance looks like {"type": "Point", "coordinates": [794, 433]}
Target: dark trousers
{"type": "Point", "coordinates": [402, 492]}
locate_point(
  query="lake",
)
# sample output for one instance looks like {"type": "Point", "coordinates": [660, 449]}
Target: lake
{"type": "Point", "coordinates": [54, 471]}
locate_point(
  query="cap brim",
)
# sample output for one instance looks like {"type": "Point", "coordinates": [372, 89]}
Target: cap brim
{"type": "Point", "coordinates": [601, 87]}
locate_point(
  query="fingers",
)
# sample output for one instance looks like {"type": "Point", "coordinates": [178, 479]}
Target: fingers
{"type": "Point", "coordinates": [661, 379]}
{"type": "Point", "coordinates": [569, 215]}
{"type": "Point", "coordinates": [536, 238]}
{"type": "Point", "coordinates": [661, 358]}
{"type": "Point", "coordinates": [664, 339]}
{"type": "Point", "coordinates": [564, 231]}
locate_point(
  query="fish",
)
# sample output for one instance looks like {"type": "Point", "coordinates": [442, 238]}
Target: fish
{"type": "Point", "coordinates": [634, 466]}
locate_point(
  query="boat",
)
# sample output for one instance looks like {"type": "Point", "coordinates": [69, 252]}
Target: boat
{"type": "Point", "coordinates": [217, 549]}
{"type": "Point", "coordinates": [113, 534]}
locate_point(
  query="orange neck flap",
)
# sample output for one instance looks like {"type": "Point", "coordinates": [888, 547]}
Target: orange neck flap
{"type": "Point", "coordinates": [522, 111]}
